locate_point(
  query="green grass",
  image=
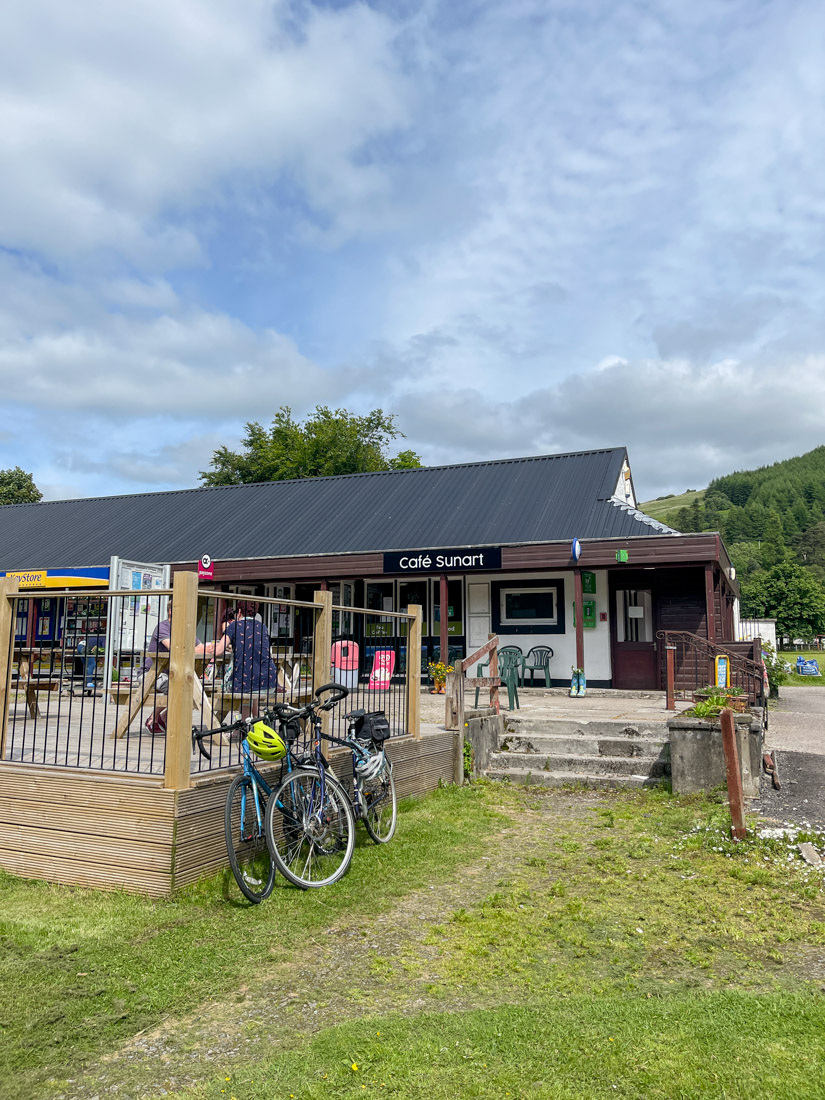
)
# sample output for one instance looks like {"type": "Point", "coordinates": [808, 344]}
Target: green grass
{"type": "Point", "coordinates": [791, 655]}
{"type": "Point", "coordinates": [510, 941]}
{"type": "Point", "coordinates": [82, 971]}
{"type": "Point", "coordinates": [659, 509]}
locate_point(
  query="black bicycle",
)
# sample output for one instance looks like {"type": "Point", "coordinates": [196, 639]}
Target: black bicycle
{"type": "Point", "coordinates": [310, 818]}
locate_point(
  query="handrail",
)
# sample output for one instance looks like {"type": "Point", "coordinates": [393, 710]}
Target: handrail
{"type": "Point", "coordinates": [713, 649]}
{"type": "Point", "coordinates": [694, 672]}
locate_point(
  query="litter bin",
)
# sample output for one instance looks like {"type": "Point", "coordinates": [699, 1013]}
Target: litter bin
{"type": "Point", "coordinates": [344, 664]}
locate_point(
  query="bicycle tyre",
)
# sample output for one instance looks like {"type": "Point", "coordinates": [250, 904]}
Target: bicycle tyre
{"type": "Point", "coordinates": [250, 859]}
{"type": "Point", "coordinates": [311, 840]}
{"type": "Point", "coordinates": [380, 805]}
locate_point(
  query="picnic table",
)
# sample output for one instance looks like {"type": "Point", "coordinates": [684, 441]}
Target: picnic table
{"type": "Point", "coordinates": [25, 657]}
{"type": "Point", "coordinates": [139, 690]}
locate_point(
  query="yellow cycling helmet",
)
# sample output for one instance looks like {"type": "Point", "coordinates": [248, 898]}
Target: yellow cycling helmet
{"type": "Point", "coordinates": [264, 741]}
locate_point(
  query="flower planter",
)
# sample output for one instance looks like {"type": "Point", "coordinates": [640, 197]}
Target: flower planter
{"type": "Point", "coordinates": [737, 703]}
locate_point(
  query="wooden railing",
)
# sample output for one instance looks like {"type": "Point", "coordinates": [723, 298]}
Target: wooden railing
{"type": "Point", "coordinates": [689, 665]}
{"type": "Point", "coordinates": [457, 682]}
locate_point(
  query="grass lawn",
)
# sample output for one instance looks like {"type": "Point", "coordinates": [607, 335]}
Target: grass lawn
{"type": "Point", "coordinates": [509, 942]}
{"type": "Point", "coordinates": [790, 655]}
{"type": "Point", "coordinates": [659, 509]}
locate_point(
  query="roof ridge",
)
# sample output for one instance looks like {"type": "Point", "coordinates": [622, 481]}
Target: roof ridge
{"type": "Point", "coordinates": [326, 477]}
{"type": "Point", "coordinates": [642, 517]}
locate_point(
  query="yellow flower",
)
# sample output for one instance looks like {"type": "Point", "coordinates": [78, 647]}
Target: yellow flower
{"type": "Point", "coordinates": [354, 1067]}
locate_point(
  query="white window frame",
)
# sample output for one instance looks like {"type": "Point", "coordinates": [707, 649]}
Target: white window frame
{"type": "Point", "coordinates": [521, 591]}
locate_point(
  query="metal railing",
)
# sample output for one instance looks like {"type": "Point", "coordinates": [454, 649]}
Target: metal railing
{"type": "Point", "coordinates": [114, 681]}
{"type": "Point", "coordinates": [688, 665]}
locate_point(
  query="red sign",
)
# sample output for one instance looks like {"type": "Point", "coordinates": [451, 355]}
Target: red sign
{"type": "Point", "coordinates": [206, 569]}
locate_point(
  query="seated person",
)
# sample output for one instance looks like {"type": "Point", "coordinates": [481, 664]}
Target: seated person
{"type": "Point", "coordinates": [253, 670]}
{"type": "Point", "coordinates": [161, 642]}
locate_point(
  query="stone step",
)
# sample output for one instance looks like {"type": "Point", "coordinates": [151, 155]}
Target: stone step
{"type": "Point", "coordinates": [565, 779]}
{"type": "Point", "coordinates": [596, 727]}
{"type": "Point", "coordinates": [582, 744]}
{"type": "Point", "coordinates": [579, 765]}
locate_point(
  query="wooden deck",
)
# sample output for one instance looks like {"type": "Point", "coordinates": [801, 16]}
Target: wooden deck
{"type": "Point", "coordinates": [115, 831]}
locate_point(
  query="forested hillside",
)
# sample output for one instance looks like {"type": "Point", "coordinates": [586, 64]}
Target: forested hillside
{"type": "Point", "coordinates": [773, 523]}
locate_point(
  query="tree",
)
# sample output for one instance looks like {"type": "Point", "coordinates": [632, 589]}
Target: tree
{"type": "Point", "coordinates": [789, 594]}
{"type": "Point", "coordinates": [18, 487]}
{"type": "Point", "coordinates": [329, 442]}
{"type": "Point", "coordinates": [773, 548]}
{"type": "Point", "coordinates": [811, 547]}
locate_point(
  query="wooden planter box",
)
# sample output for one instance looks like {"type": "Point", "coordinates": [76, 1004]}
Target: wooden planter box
{"type": "Point", "coordinates": [737, 703]}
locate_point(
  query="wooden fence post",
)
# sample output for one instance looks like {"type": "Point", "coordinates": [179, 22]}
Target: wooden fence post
{"type": "Point", "coordinates": [322, 648]}
{"type": "Point", "coordinates": [670, 658]}
{"type": "Point", "coordinates": [495, 703]}
{"type": "Point", "coordinates": [454, 699]}
{"type": "Point", "coordinates": [9, 586]}
{"type": "Point", "coordinates": [414, 671]}
{"type": "Point", "coordinates": [181, 680]}
{"type": "Point", "coordinates": [734, 776]}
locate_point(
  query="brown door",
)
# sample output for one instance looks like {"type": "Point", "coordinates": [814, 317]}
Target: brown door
{"type": "Point", "coordinates": [634, 648]}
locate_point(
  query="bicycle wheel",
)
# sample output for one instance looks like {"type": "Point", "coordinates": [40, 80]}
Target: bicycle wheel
{"type": "Point", "coordinates": [380, 806]}
{"type": "Point", "coordinates": [246, 845]}
{"type": "Point", "coordinates": [311, 835]}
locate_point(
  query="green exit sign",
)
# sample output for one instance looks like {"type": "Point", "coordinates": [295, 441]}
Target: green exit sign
{"type": "Point", "coordinates": [622, 555]}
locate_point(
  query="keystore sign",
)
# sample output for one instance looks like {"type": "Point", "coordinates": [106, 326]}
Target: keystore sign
{"type": "Point", "coordinates": [443, 561]}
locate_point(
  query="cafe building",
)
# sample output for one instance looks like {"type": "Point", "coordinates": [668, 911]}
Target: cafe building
{"type": "Point", "coordinates": [549, 550]}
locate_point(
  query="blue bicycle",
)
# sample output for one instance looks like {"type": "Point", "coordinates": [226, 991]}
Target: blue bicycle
{"type": "Point", "coordinates": [246, 800]}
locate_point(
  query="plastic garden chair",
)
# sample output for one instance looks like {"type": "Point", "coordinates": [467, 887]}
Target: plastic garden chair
{"type": "Point", "coordinates": [509, 660]}
{"type": "Point", "coordinates": [537, 660]}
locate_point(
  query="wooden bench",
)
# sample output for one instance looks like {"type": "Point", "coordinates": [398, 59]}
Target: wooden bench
{"type": "Point", "coordinates": [223, 702]}
{"type": "Point", "coordinates": [32, 687]}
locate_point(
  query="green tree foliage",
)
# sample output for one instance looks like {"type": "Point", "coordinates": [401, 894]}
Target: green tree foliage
{"type": "Point", "coordinates": [328, 442]}
{"type": "Point", "coordinates": [773, 546]}
{"type": "Point", "coordinates": [789, 594]}
{"type": "Point", "coordinates": [18, 487]}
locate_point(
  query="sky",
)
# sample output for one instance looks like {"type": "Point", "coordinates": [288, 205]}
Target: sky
{"type": "Point", "coordinates": [525, 227]}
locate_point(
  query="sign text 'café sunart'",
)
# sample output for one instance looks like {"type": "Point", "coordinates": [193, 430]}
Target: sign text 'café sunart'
{"type": "Point", "coordinates": [443, 561]}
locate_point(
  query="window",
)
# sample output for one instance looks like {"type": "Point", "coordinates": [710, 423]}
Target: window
{"type": "Point", "coordinates": [528, 607]}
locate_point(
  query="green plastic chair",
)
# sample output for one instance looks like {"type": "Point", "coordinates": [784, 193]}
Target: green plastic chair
{"type": "Point", "coordinates": [509, 670]}
{"type": "Point", "coordinates": [537, 660]}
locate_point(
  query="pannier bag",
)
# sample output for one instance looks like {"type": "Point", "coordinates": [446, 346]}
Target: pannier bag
{"type": "Point", "coordinates": [372, 726]}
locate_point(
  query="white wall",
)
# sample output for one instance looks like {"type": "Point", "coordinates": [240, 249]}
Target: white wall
{"type": "Point", "coordinates": [596, 641]}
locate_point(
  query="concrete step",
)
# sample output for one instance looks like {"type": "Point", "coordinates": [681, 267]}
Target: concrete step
{"type": "Point", "coordinates": [578, 765]}
{"type": "Point", "coordinates": [597, 727]}
{"type": "Point", "coordinates": [565, 779]}
{"type": "Point", "coordinates": [583, 744]}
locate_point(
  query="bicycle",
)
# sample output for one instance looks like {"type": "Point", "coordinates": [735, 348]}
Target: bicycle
{"type": "Point", "coordinates": [310, 825]}
{"type": "Point", "coordinates": [374, 797]}
{"type": "Point", "coordinates": [246, 799]}
{"type": "Point", "coordinates": [310, 820]}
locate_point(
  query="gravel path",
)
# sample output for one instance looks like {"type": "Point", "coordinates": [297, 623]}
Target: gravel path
{"type": "Point", "coordinates": [798, 722]}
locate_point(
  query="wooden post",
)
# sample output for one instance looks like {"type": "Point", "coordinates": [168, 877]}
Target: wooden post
{"type": "Point", "coordinates": [710, 609]}
{"type": "Point", "coordinates": [181, 680]}
{"type": "Point", "coordinates": [9, 586]}
{"type": "Point", "coordinates": [445, 648]}
{"type": "Point", "coordinates": [734, 776]}
{"type": "Point", "coordinates": [670, 657]}
{"type": "Point", "coordinates": [414, 671]}
{"type": "Point", "coordinates": [322, 647]}
{"type": "Point", "coordinates": [458, 757]}
{"type": "Point", "coordinates": [495, 702]}
{"type": "Point", "coordinates": [454, 699]}
{"type": "Point", "coordinates": [579, 603]}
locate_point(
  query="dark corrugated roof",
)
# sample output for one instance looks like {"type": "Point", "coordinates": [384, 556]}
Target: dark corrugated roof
{"type": "Point", "coordinates": [509, 501]}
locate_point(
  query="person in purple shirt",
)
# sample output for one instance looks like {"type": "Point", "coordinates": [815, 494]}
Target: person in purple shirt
{"type": "Point", "coordinates": [161, 642]}
{"type": "Point", "coordinates": [253, 670]}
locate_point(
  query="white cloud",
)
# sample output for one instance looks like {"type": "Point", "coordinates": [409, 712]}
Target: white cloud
{"type": "Point", "coordinates": [116, 116]}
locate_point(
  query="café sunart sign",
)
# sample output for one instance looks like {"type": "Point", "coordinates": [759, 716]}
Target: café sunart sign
{"type": "Point", "coordinates": [461, 560]}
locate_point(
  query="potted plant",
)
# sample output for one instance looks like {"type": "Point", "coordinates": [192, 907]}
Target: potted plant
{"type": "Point", "coordinates": [732, 697]}
{"type": "Point", "coordinates": [578, 683]}
{"type": "Point", "coordinates": [438, 671]}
